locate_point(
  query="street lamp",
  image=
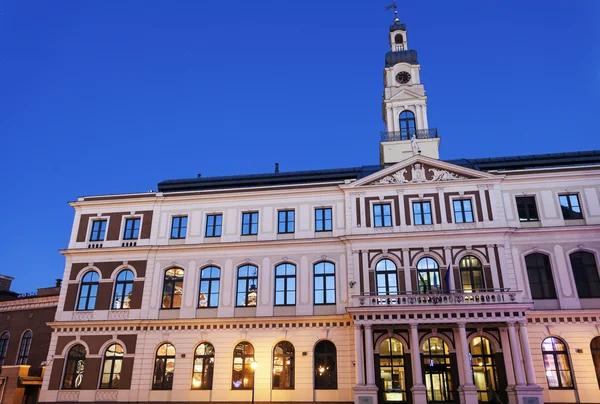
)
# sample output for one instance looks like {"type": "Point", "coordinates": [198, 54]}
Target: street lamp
{"type": "Point", "coordinates": [253, 365]}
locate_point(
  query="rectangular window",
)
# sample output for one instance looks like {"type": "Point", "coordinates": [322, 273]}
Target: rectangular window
{"type": "Point", "coordinates": [570, 206]}
{"type": "Point", "coordinates": [286, 221]}
{"type": "Point", "coordinates": [285, 285]}
{"type": "Point", "coordinates": [132, 228]}
{"type": "Point", "coordinates": [98, 230]}
{"type": "Point", "coordinates": [422, 212]}
{"type": "Point", "coordinates": [463, 211]}
{"type": "Point", "coordinates": [323, 219]}
{"type": "Point", "coordinates": [213, 225]}
{"type": "Point", "coordinates": [527, 209]}
{"type": "Point", "coordinates": [179, 227]}
{"type": "Point", "coordinates": [382, 215]}
{"type": "Point", "coordinates": [249, 223]}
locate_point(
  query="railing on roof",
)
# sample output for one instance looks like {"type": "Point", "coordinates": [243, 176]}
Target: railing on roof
{"type": "Point", "coordinates": [408, 134]}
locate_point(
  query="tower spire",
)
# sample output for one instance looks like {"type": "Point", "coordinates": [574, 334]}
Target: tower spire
{"type": "Point", "coordinates": [394, 6]}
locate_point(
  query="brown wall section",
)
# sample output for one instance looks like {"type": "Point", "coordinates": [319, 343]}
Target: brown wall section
{"type": "Point", "coordinates": [62, 342]}
{"type": "Point", "coordinates": [136, 295]}
{"type": "Point", "coordinates": [92, 373]}
{"type": "Point", "coordinates": [146, 224]}
{"type": "Point", "coordinates": [94, 342]}
{"type": "Point", "coordinates": [71, 297]}
{"type": "Point", "coordinates": [56, 376]}
{"type": "Point", "coordinates": [83, 226]}
{"type": "Point", "coordinates": [129, 340]}
{"type": "Point", "coordinates": [114, 225]}
{"type": "Point", "coordinates": [126, 373]}
{"type": "Point", "coordinates": [489, 205]}
{"type": "Point", "coordinates": [140, 267]}
{"type": "Point", "coordinates": [104, 296]}
{"type": "Point", "coordinates": [75, 269]}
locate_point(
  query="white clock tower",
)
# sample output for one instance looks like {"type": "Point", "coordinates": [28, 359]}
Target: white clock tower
{"type": "Point", "coordinates": [404, 104]}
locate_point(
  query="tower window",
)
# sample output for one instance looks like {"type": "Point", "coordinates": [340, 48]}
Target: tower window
{"type": "Point", "coordinates": [407, 125]}
{"type": "Point", "coordinates": [399, 38]}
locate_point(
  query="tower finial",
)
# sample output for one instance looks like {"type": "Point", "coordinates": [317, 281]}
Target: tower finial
{"type": "Point", "coordinates": [395, 7]}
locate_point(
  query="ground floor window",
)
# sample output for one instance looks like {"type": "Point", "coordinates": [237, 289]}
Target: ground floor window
{"type": "Point", "coordinates": [392, 372]}
{"type": "Point", "coordinates": [485, 374]}
{"type": "Point", "coordinates": [437, 366]}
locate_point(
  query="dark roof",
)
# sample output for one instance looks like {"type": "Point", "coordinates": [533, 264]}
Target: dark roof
{"type": "Point", "coordinates": [395, 57]}
{"type": "Point", "coordinates": [397, 26]}
{"type": "Point", "coordinates": [338, 175]}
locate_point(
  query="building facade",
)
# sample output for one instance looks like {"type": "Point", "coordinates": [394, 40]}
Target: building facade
{"type": "Point", "coordinates": [417, 280]}
{"type": "Point", "coordinates": [24, 340]}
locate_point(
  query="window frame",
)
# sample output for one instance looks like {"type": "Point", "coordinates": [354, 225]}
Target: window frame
{"type": "Point", "coordinates": [91, 285]}
{"type": "Point", "coordinates": [96, 233]}
{"type": "Point", "coordinates": [24, 348]}
{"type": "Point", "coordinates": [471, 269]}
{"type": "Point", "coordinates": [427, 286]}
{"type": "Point", "coordinates": [595, 352]}
{"type": "Point", "coordinates": [248, 290]}
{"type": "Point", "coordinates": [379, 214]}
{"type": "Point", "coordinates": [573, 215]}
{"type": "Point", "coordinates": [114, 378]}
{"type": "Point", "coordinates": [525, 207]}
{"type": "Point", "coordinates": [212, 282]}
{"type": "Point", "coordinates": [211, 229]}
{"type": "Point", "coordinates": [166, 383]}
{"type": "Point", "coordinates": [283, 218]}
{"type": "Point", "coordinates": [134, 232]}
{"type": "Point", "coordinates": [321, 358]}
{"type": "Point", "coordinates": [250, 228]}
{"type": "Point", "coordinates": [4, 341]}
{"type": "Point", "coordinates": [554, 354]}
{"type": "Point", "coordinates": [286, 361]}
{"type": "Point", "coordinates": [322, 222]}
{"type": "Point", "coordinates": [207, 366]}
{"type": "Point", "coordinates": [325, 275]}
{"type": "Point", "coordinates": [174, 283]}
{"type": "Point", "coordinates": [543, 273]}
{"type": "Point", "coordinates": [179, 232]}
{"type": "Point", "coordinates": [462, 211]}
{"type": "Point", "coordinates": [74, 373]}
{"type": "Point", "coordinates": [241, 351]}
{"type": "Point", "coordinates": [487, 361]}
{"type": "Point", "coordinates": [123, 289]}
{"type": "Point", "coordinates": [286, 278]}
{"type": "Point", "coordinates": [584, 276]}
{"type": "Point", "coordinates": [387, 274]}
{"type": "Point", "coordinates": [422, 214]}
{"type": "Point", "coordinates": [393, 361]}
{"type": "Point", "coordinates": [405, 119]}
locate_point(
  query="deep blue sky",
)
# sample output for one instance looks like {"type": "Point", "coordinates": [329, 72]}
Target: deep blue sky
{"type": "Point", "coordinates": [113, 96]}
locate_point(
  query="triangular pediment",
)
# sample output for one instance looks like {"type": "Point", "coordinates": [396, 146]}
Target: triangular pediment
{"type": "Point", "coordinates": [421, 169]}
{"type": "Point", "coordinates": [406, 94]}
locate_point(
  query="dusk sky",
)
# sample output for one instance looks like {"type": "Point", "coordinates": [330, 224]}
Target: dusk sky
{"type": "Point", "coordinates": [107, 96]}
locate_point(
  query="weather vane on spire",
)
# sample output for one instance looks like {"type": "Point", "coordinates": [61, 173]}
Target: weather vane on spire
{"type": "Point", "coordinates": [395, 7]}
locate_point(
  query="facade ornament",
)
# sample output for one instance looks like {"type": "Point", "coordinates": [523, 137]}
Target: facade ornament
{"type": "Point", "coordinates": [444, 175]}
{"type": "Point", "coordinates": [284, 259]}
{"type": "Point", "coordinates": [418, 175]}
{"type": "Point", "coordinates": [580, 246]}
{"type": "Point", "coordinates": [397, 178]}
{"type": "Point", "coordinates": [323, 257]}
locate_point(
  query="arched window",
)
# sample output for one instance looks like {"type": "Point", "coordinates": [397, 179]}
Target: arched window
{"type": "Point", "coordinates": [204, 362]}
{"type": "Point", "coordinates": [585, 272]}
{"type": "Point", "coordinates": [539, 273]}
{"type": "Point", "coordinates": [172, 288]}
{"type": "Point", "coordinates": [438, 375]}
{"type": "Point", "coordinates": [111, 369]}
{"type": "Point", "coordinates": [3, 346]}
{"type": "Point", "coordinates": [428, 273]}
{"type": "Point", "coordinates": [210, 283]}
{"type": "Point", "coordinates": [123, 289]}
{"type": "Point", "coordinates": [285, 285]}
{"type": "Point", "coordinates": [556, 362]}
{"type": "Point", "coordinates": [386, 277]}
{"type": "Point", "coordinates": [283, 366]}
{"type": "Point", "coordinates": [392, 372]}
{"type": "Point", "coordinates": [164, 365]}
{"type": "Point", "coordinates": [325, 366]}
{"type": "Point", "coordinates": [247, 286]}
{"type": "Point", "coordinates": [242, 372]}
{"type": "Point", "coordinates": [471, 274]}
{"type": "Point", "coordinates": [324, 282]}
{"type": "Point", "coordinates": [88, 291]}
{"type": "Point", "coordinates": [24, 348]}
{"type": "Point", "coordinates": [407, 125]}
{"type": "Point", "coordinates": [398, 38]}
{"type": "Point", "coordinates": [595, 348]}
{"type": "Point", "coordinates": [485, 374]}
{"type": "Point", "coordinates": [74, 368]}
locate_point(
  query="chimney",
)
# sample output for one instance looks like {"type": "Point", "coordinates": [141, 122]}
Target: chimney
{"type": "Point", "coordinates": [276, 168]}
{"type": "Point", "coordinates": [58, 283]}
{"type": "Point", "coordinates": [5, 282]}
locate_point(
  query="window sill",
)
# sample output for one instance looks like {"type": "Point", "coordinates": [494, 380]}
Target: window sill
{"type": "Point", "coordinates": [209, 240]}
{"type": "Point", "coordinates": [574, 222]}
{"type": "Point", "coordinates": [249, 237]}
{"type": "Point", "coordinates": [176, 241]}
{"type": "Point", "coordinates": [286, 236]}
{"type": "Point", "coordinates": [531, 223]}
{"type": "Point", "coordinates": [324, 234]}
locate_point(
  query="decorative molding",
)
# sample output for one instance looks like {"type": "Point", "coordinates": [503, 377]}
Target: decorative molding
{"type": "Point", "coordinates": [418, 175]}
{"type": "Point", "coordinates": [82, 316]}
{"type": "Point", "coordinates": [106, 395]}
{"type": "Point", "coordinates": [118, 314]}
{"type": "Point", "coordinates": [68, 395]}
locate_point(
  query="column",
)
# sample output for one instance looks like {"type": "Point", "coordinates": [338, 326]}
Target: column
{"type": "Point", "coordinates": [369, 355]}
{"type": "Point", "coordinates": [358, 343]}
{"type": "Point", "coordinates": [529, 370]}
{"type": "Point", "coordinates": [464, 347]}
{"type": "Point", "coordinates": [516, 352]}
{"type": "Point", "coordinates": [415, 355]}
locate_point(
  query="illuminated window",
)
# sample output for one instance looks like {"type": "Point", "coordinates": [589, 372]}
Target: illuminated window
{"type": "Point", "coordinates": [556, 363]}
{"type": "Point", "coordinates": [242, 372]}
{"type": "Point", "coordinates": [111, 369]}
{"type": "Point", "coordinates": [164, 365]}
{"type": "Point", "coordinates": [595, 348]}
{"type": "Point", "coordinates": [391, 370]}
{"type": "Point", "coordinates": [437, 367]}
{"type": "Point", "coordinates": [483, 363]}
{"type": "Point", "coordinates": [172, 288]}
{"type": "Point", "coordinates": [283, 366]}
{"type": "Point", "coordinates": [325, 366]}
{"type": "Point", "coordinates": [123, 290]}
{"type": "Point", "coordinates": [204, 362]}
{"type": "Point", "coordinates": [75, 367]}
{"type": "Point", "coordinates": [471, 274]}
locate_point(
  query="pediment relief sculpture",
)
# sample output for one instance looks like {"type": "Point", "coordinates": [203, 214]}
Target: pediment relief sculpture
{"type": "Point", "coordinates": [419, 173]}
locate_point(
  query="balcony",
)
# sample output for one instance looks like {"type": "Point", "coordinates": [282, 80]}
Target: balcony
{"type": "Point", "coordinates": [456, 298]}
{"type": "Point", "coordinates": [431, 133]}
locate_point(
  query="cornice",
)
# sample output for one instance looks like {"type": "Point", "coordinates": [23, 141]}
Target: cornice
{"type": "Point", "coordinates": [29, 303]}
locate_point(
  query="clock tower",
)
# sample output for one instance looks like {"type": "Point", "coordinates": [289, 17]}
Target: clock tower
{"type": "Point", "coordinates": [404, 103]}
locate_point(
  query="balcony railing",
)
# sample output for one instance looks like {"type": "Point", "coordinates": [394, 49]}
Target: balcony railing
{"type": "Point", "coordinates": [453, 298]}
{"type": "Point", "coordinates": [408, 134]}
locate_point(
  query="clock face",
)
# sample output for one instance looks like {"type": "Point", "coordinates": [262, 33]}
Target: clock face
{"type": "Point", "coordinates": [403, 77]}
